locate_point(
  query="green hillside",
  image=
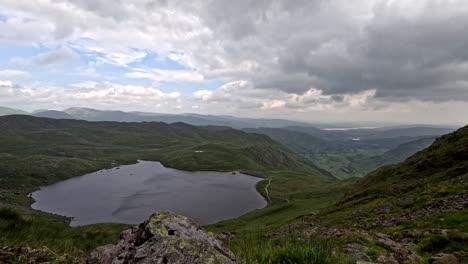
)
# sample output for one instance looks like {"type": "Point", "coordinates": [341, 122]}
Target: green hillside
{"type": "Point", "coordinates": [353, 153]}
{"type": "Point", "coordinates": [37, 151]}
{"type": "Point", "coordinates": [40, 151]}
{"type": "Point", "coordinates": [392, 156]}
{"type": "Point", "coordinates": [423, 199]}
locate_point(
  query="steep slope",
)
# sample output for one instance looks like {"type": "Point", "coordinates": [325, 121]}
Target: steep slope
{"type": "Point", "coordinates": [299, 142]}
{"type": "Point", "coordinates": [10, 111]}
{"type": "Point", "coordinates": [424, 198]}
{"type": "Point", "coordinates": [394, 155]}
{"type": "Point", "coordinates": [351, 154]}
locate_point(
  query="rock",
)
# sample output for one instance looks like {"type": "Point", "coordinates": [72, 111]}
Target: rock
{"type": "Point", "coordinates": [357, 251]}
{"type": "Point", "coordinates": [164, 238]}
{"type": "Point", "coordinates": [385, 259]}
{"type": "Point", "coordinates": [226, 236]}
{"type": "Point", "coordinates": [443, 258]}
{"type": "Point", "coordinates": [401, 252]}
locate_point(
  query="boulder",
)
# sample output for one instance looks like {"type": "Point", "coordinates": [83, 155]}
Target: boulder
{"type": "Point", "coordinates": [387, 259]}
{"type": "Point", "coordinates": [164, 238]}
{"type": "Point", "coordinates": [443, 258]}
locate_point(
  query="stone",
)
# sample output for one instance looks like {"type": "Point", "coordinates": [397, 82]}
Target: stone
{"type": "Point", "coordinates": [357, 251]}
{"type": "Point", "coordinates": [386, 259]}
{"type": "Point", "coordinates": [443, 258]}
{"type": "Point", "coordinates": [402, 252]}
{"type": "Point", "coordinates": [164, 238]}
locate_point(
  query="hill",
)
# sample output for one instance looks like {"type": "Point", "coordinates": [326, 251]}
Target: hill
{"type": "Point", "coordinates": [40, 151]}
{"type": "Point", "coordinates": [192, 119]}
{"type": "Point", "coordinates": [53, 114]}
{"type": "Point", "coordinates": [10, 111]}
{"type": "Point", "coordinates": [355, 152]}
{"type": "Point", "coordinates": [423, 200]}
{"type": "Point", "coordinates": [300, 142]}
{"type": "Point", "coordinates": [42, 141]}
{"type": "Point", "coordinates": [394, 155]}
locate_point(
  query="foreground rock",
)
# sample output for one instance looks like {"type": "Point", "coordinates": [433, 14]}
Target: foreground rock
{"type": "Point", "coordinates": [443, 259]}
{"type": "Point", "coordinates": [164, 238]}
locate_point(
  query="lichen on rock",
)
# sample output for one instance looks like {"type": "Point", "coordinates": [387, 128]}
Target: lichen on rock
{"type": "Point", "coordinates": [164, 238]}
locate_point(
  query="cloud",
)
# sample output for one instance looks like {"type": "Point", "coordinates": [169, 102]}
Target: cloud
{"type": "Point", "coordinates": [14, 74]}
{"type": "Point", "coordinates": [204, 95]}
{"type": "Point", "coordinates": [6, 83]}
{"type": "Point", "coordinates": [402, 50]}
{"type": "Point", "coordinates": [280, 55]}
{"type": "Point", "coordinates": [242, 95]}
{"type": "Point", "coordinates": [270, 104]}
{"type": "Point", "coordinates": [159, 75]}
{"type": "Point", "coordinates": [103, 96]}
{"type": "Point", "coordinates": [59, 55]}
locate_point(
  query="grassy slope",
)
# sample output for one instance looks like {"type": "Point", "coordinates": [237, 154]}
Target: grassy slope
{"type": "Point", "coordinates": [434, 175]}
{"type": "Point", "coordinates": [38, 151]}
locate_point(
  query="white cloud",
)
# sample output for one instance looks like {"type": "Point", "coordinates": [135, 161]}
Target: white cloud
{"type": "Point", "coordinates": [6, 83]}
{"type": "Point", "coordinates": [62, 54]}
{"type": "Point", "coordinates": [103, 96]}
{"type": "Point", "coordinates": [159, 75]}
{"type": "Point", "coordinates": [14, 74]}
{"type": "Point", "coordinates": [297, 56]}
{"type": "Point", "coordinates": [270, 104]}
{"type": "Point", "coordinates": [204, 95]}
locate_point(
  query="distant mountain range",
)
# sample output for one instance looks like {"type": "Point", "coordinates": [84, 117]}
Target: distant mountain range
{"type": "Point", "coordinates": [10, 111]}
{"type": "Point", "coordinates": [345, 152]}
{"type": "Point", "coordinates": [356, 152]}
{"type": "Point", "coordinates": [89, 114]}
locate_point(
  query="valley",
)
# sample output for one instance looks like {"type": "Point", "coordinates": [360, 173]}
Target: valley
{"type": "Point", "coordinates": [305, 174]}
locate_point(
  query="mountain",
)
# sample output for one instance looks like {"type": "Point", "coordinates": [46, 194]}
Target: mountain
{"type": "Point", "coordinates": [192, 119]}
{"type": "Point", "coordinates": [43, 141]}
{"type": "Point", "coordinates": [394, 155]}
{"type": "Point", "coordinates": [353, 153]}
{"type": "Point", "coordinates": [423, 199]}
{"type": "Point", "coordinates": [53, 114]}
{"type": "Point", "coordinates": [300, 142]}
{"type": "Point", "coordinates": [10, 111]}
{"type": "Point", "coordinates": [385, 137]}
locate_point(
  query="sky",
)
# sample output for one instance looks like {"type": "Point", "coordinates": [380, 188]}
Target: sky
{"type": "Point", "coordinates": [313, 60]}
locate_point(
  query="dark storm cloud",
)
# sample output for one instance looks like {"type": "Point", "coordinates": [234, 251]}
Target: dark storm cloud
{"type": "Point", "coordinates": [404, 52]}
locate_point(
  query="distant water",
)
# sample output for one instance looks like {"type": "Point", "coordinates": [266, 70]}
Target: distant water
{"type": "Point", "coordinates": [346, 128]}
{"type": "Point", "coordinates": [130, 194]}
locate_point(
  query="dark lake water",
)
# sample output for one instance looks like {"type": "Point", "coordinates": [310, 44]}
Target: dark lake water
{"type": "Point", "coordinates": [130, 194]}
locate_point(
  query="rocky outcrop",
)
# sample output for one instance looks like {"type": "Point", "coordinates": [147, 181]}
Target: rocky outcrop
{"type": "Point", "coordinates": [442, 258]}
{"type": "Point", "coordinates": [446, 205]}
{"type": "Point", "coordinates": [164, 238]}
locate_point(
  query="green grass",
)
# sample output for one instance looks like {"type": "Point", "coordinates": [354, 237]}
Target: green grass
{"type": "Point", "coordinates": [343, 164]}
{"type": "Point", "coordinates": [293, 196]}
{"type": "Point", "coordinates": [21, 228]}
{"type": "Point", "coordinates": [37, 152]}
{"type": "Point", "coordinates": [255, 250]}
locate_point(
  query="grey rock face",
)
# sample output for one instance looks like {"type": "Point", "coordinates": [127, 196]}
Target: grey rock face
{"type": "Point", "coordinates": [164, 238]}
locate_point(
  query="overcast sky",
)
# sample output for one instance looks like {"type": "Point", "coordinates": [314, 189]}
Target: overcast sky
{"type": "Point", "coordinates": [314, 60]}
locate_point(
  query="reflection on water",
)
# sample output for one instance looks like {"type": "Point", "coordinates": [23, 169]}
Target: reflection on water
{"type": "Point", "coordinates": [129, 194]}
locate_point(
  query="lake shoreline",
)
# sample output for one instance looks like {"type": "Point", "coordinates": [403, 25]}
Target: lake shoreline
{"type": "Point", "coordinates": [223, 177]}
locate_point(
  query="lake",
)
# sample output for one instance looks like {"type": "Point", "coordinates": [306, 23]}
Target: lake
{"type": "Point", "coordinates": [131, 193]}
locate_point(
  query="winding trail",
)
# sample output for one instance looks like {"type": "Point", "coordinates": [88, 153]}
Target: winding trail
{"type": "Point", "coordinates": [266, 189]}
